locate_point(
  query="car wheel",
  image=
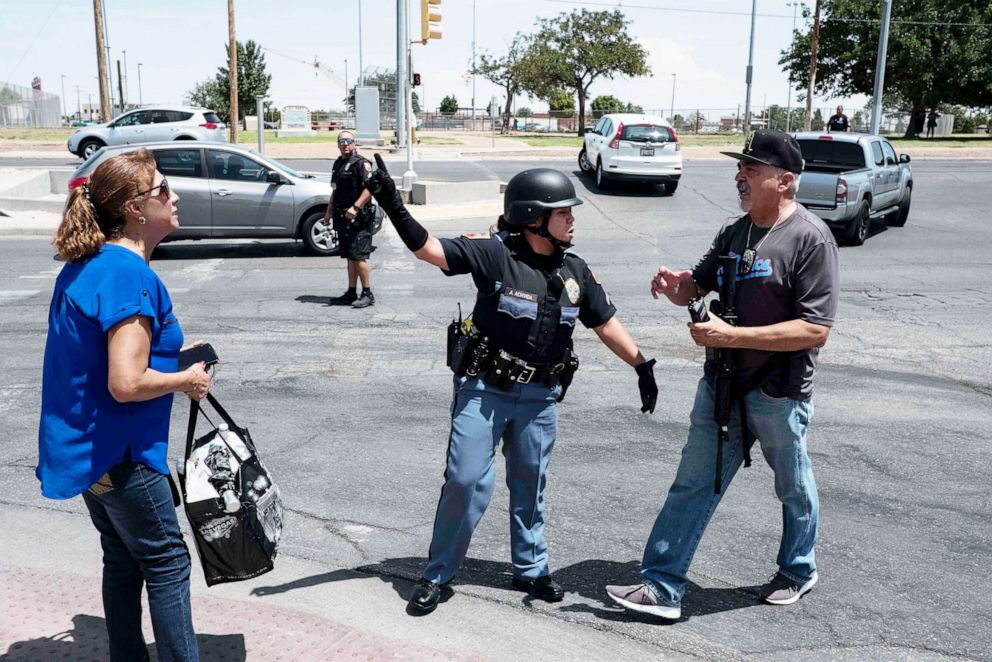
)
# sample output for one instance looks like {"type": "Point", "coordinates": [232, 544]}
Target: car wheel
{"type": "Point", "coordinates": [584, 164]}
{"type": "Point", "coordinates": [671, 187]}
{"type": "Point", "coordinates": [600, 176]}
{"type": "Point", "coordinates": [88, 148]}
{"type": "Point", "coordinates": [899, 218]}
{"type": "Point", "coordinates": [318, 238]}
{"type": "Point", "coordinates": [857, 232]}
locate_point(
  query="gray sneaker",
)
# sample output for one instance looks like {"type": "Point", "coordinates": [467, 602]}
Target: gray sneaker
{"type": "Point", "coordinates": [640, 598]}
{"type": "Point", "coordinates": [367, 299]}
{"type": "Point", "coordinates": [780, 590]}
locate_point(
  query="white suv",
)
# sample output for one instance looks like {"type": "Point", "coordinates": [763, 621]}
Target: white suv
{"type": "Point", "coordinates": [633, 147]}
{"type": "Point", "coordinates": [150, 124]}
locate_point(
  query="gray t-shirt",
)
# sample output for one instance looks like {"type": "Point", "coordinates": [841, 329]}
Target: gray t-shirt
{"type": "Point", "coordinates": [795, 276]}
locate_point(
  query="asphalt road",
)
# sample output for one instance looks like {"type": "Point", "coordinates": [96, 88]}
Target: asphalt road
{"type": "Point", "coordinates": [350, 411]}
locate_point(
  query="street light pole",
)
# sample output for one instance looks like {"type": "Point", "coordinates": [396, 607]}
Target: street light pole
{"type": "Point", "coordinates": [473, 64]}
{"type": "Point", "coordinates": [788, 112]}
{"type": "Point", "coordinates": [127, 92]}
{"type": "Point", "coordinates": [883, 44]}
{"type": "Point", "coordinates": [110, 72]}
{"type": "Point", "coordinates": [400, 96]}
{"type": "Point", "coordinates": [361, 68]}
{"type": "Point", "coordinates": [672, 111]}
{"type": "Point", "coordinates": [750, 69]}
{"type": "Point", "coordinates": [140, 100]}
{"type": "Point", "coordinates": [64, 114]}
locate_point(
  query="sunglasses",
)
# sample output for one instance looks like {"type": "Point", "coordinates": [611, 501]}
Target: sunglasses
{"type": "Point", "coordinates": [345, 141]}
{"type": "Point", "coordinates": [747, 261]}
{"type": "Point", "coordinates": [163, 187]}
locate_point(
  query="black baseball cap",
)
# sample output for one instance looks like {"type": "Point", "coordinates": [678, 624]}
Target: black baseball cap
{"type": "Point", "coordinates": [771, 147]}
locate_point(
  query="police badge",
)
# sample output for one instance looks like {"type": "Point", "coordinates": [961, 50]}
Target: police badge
{"type": "Point", "coordinates": [572, 289]}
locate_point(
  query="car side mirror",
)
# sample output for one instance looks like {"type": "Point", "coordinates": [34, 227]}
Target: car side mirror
{"type": "Point", "coordinates": [904, 158]}
{"type": "Point", "coordinates": [274, 177]}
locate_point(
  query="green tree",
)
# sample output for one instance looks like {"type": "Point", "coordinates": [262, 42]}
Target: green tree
{"type": "Point", "coordinates": [415, 102]}
{"type": "Point", "coordinates": [561, 102]}
{"type": "Point", "coordinates": [214, 92]}
{"type": "Point", "coordinates": [253, 81]}
{"type": "Point", "coordinates": [574, 50]}
{"type": "Point", "coordinates": [524, 112]}
{"type": "Point", "coordinates": [511, 72]}
{"type": "Point", "coordinates": [449, 105]}
{"type": "Point", "coordinates": [938, 53]}
{"type": "Point", "coordinates": [606, 103]}
{"type": "Point", "coordinates": [817, 123]}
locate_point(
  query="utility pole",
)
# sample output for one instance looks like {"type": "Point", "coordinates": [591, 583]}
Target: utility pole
{"type": "Point", "coordinates": [883, 44]}
{"type": "Point", "coordinates": [788, 112]}
{"type": "Point", "coordinates": [110, 71]}
{"type": "Point", "coordinates": [808, 123]}
{"type": "Point", "coordinates": [750, 69]}
{"type": "Point", "coordinates": [140, 101]}
{"type": "Point", "coordinates": [473, 64]}
{"type": "Point", "coordinates": [101, 61]}
{"type": "Point", "coordinates": [232, 57]}
{"type": "Point", "coordinates": [79, 105]}
{"type": "Point", "coordinates": [120, 86]}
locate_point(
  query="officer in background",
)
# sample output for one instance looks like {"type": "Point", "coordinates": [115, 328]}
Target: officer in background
{"type": "Point", "coordinates": [516, 363]}
{"type": "Point", "coordinates": [838, 122]}
{"type": "Point", "coordinates": [352, 217]}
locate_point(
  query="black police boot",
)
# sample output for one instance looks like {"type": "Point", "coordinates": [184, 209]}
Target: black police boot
{"type": "Point", "coordinates": [367, 299]}
{"type": "Point", "coordinates": [424, 597]}
{"type": "Point", "coordinates": [542, 588]}
{"type": "Point", "coordinates": [346, 299]}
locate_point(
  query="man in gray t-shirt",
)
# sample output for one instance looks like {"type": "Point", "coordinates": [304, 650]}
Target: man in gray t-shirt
{"type": "Point", "coordinates": [787, 290]}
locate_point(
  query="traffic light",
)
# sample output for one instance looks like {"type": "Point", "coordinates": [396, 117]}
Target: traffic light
{"type": "Point", "coordinates": [430, 20]}
{"type": "Point", "coordinates": [416, 80]}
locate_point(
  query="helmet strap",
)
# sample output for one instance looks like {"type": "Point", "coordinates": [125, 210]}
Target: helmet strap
{"type": "Point", "coordinates": [544, 231]}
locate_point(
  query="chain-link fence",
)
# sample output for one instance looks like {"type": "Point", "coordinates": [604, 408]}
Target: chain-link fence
{"type": "Point", "coordinates": [27, 107]}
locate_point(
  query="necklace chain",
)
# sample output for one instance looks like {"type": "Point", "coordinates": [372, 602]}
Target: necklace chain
{"type": "Point", "coordinates": [747, 244]}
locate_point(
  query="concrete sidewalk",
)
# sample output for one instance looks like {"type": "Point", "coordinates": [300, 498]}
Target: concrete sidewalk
{"type": "Point", "coordinates": [51, 609]}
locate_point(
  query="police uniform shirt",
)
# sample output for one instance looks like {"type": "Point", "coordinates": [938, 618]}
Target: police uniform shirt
{"type": "Point", "coordinates": [794, 276]}
{"type": "Point", "coordinates": [838, 122]}
{"type": "Point", "coordinates": [348, 177]}
{"type": "Point", "coordinates": [527, 302]}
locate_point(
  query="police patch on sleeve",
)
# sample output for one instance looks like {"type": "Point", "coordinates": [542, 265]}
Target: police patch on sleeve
{"type": "Point", "coordinates": [368, 167]}
{"type": "Point", "coordinates": [572, 290]}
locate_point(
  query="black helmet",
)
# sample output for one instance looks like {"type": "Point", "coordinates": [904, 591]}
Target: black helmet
{"type": "Point", "coordinates": [532, 192]}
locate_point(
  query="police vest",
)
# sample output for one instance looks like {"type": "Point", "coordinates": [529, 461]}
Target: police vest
{"type": "Point", "coordinates": [349, 178]}
{"type": "Point", "coordinates": [532, 312]}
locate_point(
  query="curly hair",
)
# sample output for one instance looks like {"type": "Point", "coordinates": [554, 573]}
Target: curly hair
{"type": "Point", "coordinates": [94, 212]}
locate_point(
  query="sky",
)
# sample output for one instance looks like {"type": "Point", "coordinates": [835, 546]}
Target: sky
{"type": "Point", "coordinates": [181, 42]}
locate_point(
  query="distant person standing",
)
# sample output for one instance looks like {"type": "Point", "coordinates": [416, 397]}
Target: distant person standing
{"type": "Point", "coordinates": [932, 122]}
{"type": "Point", "coordinates": [839, 122]}
{"type": "Point", "coordinates": [352, 216]}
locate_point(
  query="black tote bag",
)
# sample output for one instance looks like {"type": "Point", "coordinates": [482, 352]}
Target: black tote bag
{"type": "Point", "coordinates": [236, 538]}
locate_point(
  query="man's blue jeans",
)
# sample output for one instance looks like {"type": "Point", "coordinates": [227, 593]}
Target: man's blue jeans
{"type": "Point", "coordinates": [780, 426]}
{"type": "Point", "coordinates": [142, 544]}
{"type": "Point", "coordinates": [526, 419]}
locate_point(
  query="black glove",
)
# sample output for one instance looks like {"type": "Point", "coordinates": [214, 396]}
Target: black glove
{"type": "Point", "coordinates": [647, 386]}
{"type": "Point", "coordinates": [382, 187]}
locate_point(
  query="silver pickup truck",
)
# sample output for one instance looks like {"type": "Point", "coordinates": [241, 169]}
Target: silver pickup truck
{"type": "Point", "coordinates": [850, 179]}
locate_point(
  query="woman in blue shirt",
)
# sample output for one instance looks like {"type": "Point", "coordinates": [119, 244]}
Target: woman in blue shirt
{"type": "Point", "coordinates": [110, 370]}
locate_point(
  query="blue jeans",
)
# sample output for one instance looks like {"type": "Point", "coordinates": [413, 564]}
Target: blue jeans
{"type": "Point", "coordinates": [526, 419]}
{"type": "Point", "coordinates": [780, 426]}
{"type": "Point", "coordinates": [142, 544]}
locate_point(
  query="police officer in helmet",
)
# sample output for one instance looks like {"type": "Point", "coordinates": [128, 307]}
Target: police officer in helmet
{"type": "Point", "coordinates": [515, 363]}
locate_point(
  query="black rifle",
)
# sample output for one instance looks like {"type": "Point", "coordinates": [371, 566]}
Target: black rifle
{"type": "Point", "coordinates": [726, 359]}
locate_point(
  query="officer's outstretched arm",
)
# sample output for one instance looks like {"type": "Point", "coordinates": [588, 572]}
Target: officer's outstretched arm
{"type": "Point", "coordinates": [615, 336]}
{"type": "Point", "coordinates": [382, 187]}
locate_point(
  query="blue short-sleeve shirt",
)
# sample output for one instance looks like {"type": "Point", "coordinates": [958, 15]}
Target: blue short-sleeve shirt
{"type": "Point", "coordinates": [83, 430]}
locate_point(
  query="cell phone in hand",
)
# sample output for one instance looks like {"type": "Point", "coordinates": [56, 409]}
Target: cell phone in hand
{"type": "Point", "coordinates": [198, 353]}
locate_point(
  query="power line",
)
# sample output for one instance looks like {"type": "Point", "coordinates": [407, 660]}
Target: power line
{"type": "Point", "coordinates": [28, 49]}
{"type": "Point", "coordinates": [618, 4]}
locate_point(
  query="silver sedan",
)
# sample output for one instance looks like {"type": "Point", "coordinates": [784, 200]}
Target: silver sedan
{"type": "Point", "coordinates": [227, 191]}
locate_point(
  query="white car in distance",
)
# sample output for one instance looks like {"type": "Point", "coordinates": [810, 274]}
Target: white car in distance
{"type": "Point", "coordinates": [633, 147]}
